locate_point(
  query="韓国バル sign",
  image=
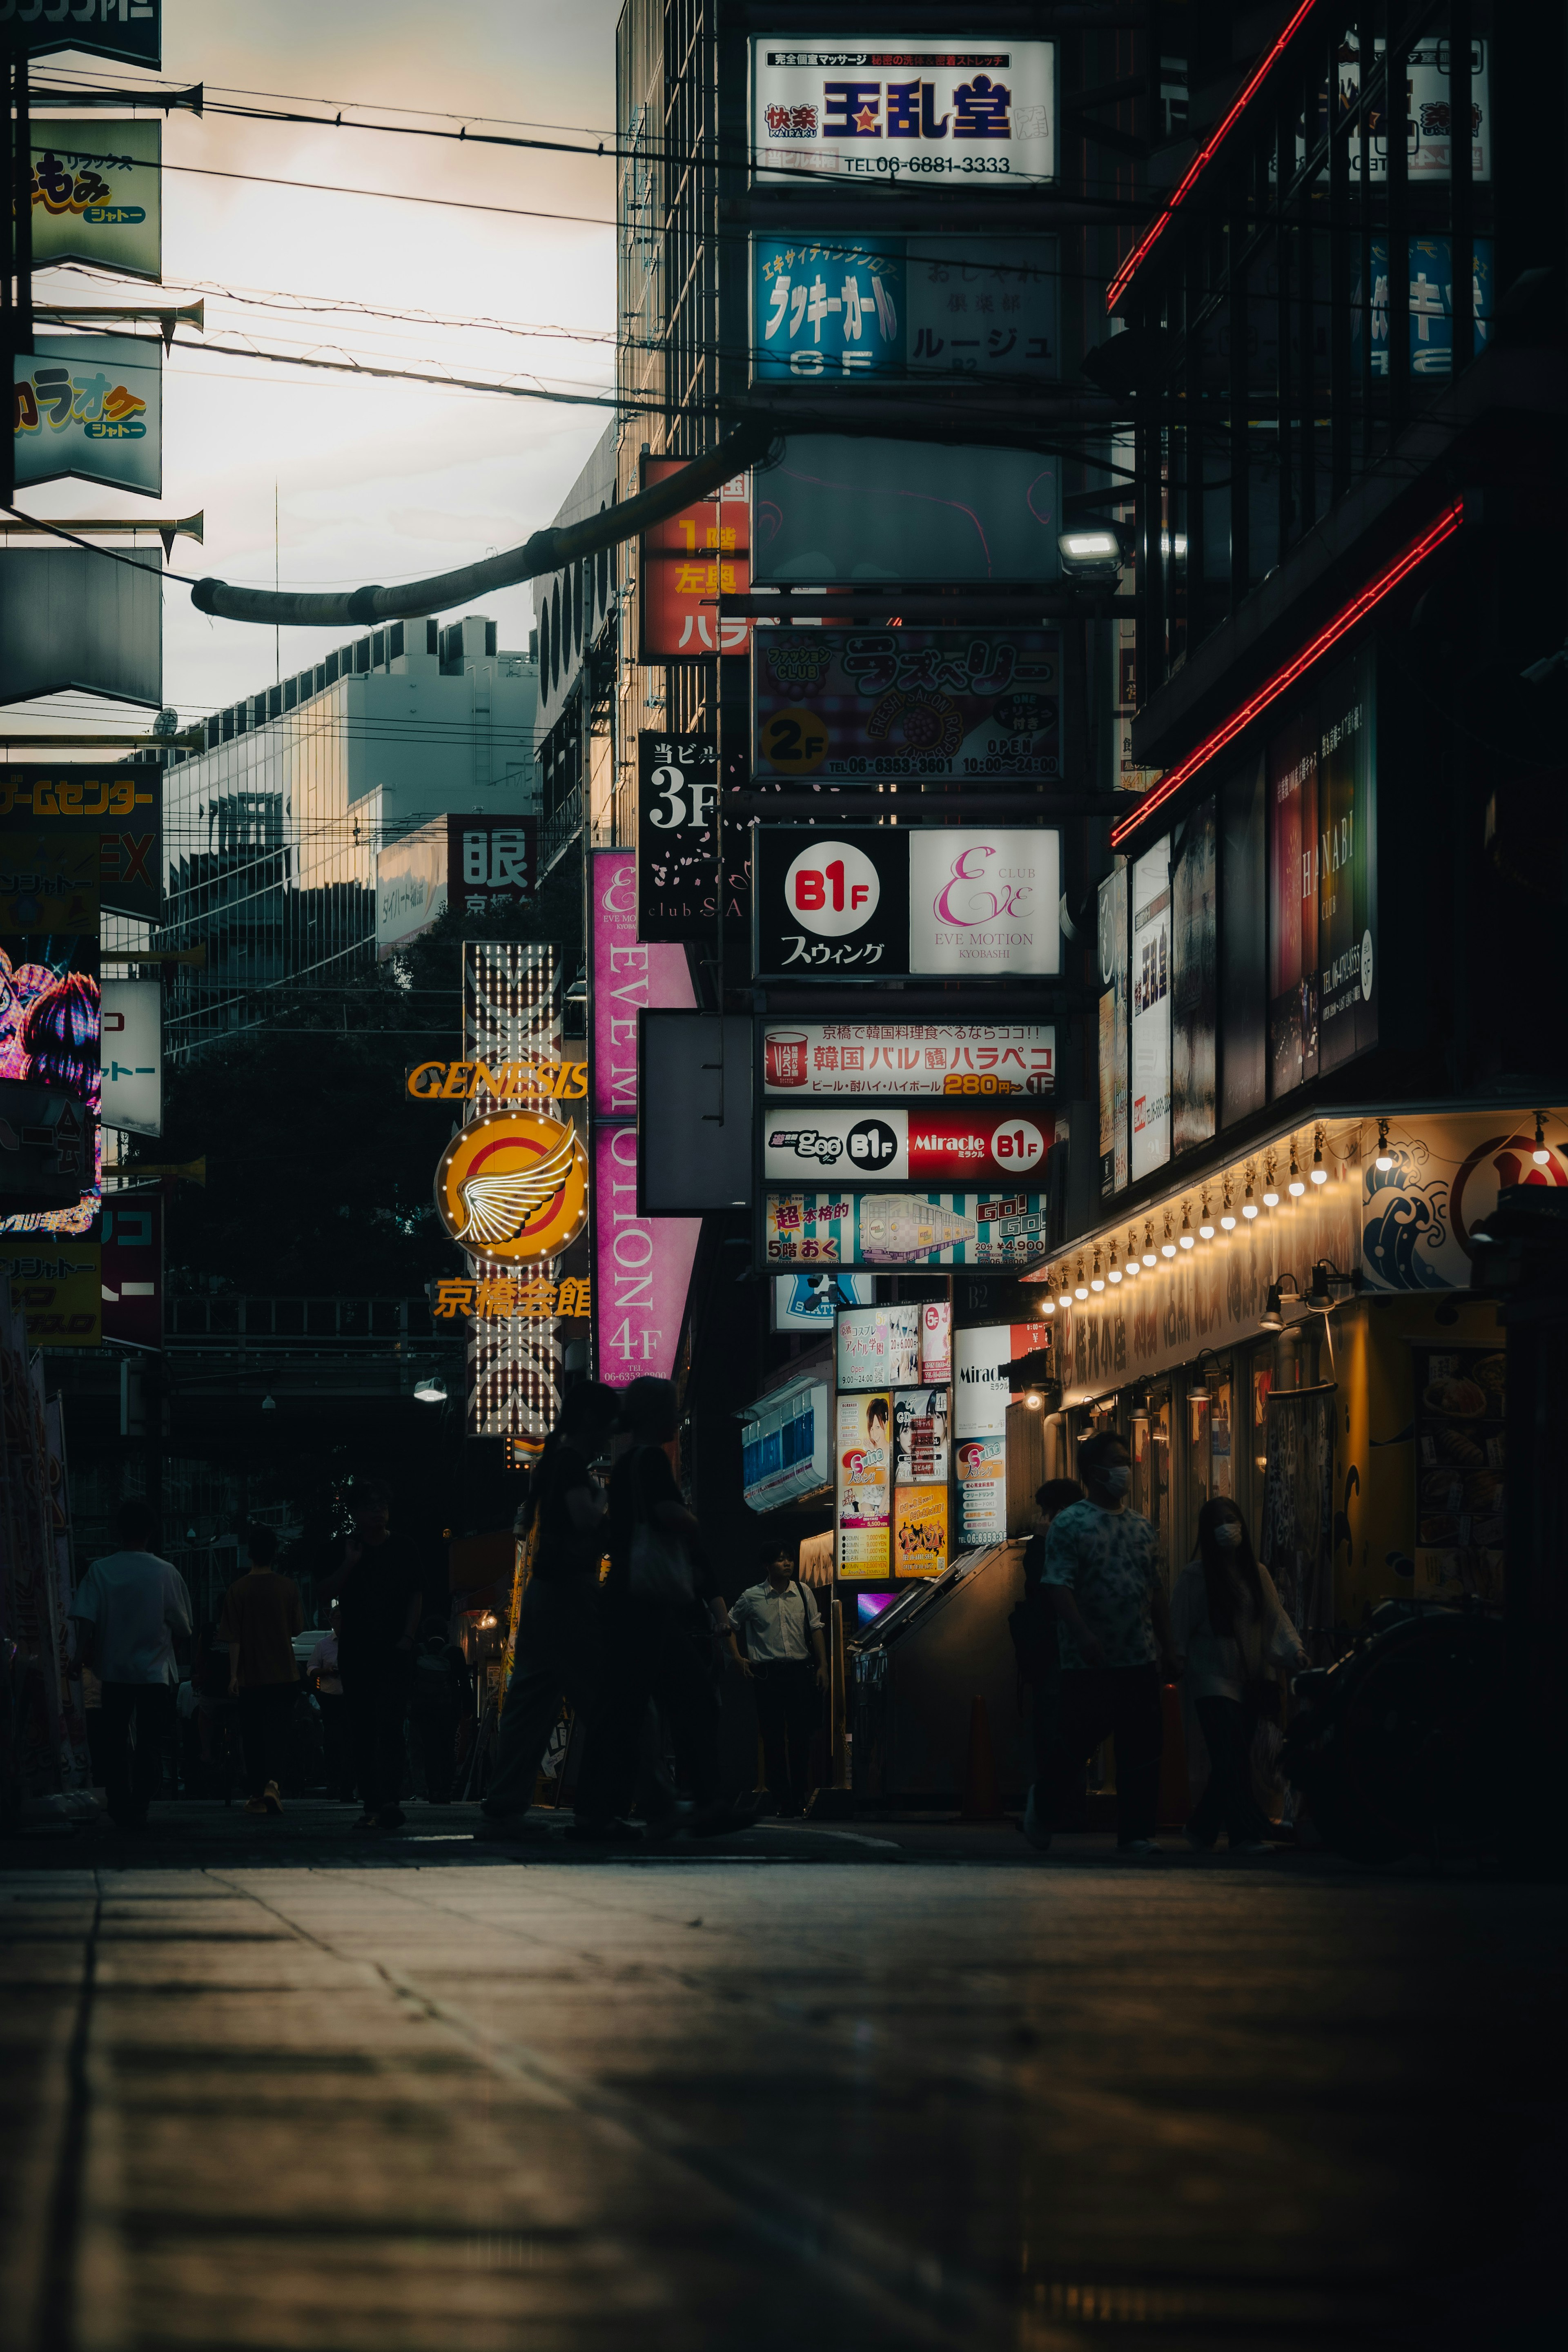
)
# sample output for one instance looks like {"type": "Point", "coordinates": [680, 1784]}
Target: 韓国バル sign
{"type": "Point", "coordinates": [909, 1057]}
{"type": "Point", "coordinates": [964, 113]}
{"type": "Point", "coordinates": [856, 705]}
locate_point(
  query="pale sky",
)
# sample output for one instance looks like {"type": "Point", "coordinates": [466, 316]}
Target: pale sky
{"type": "Point", "coordinates": [376, 481]}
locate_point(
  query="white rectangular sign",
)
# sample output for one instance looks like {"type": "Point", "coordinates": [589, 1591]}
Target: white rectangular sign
{"type": "Point", "coordinates": [909, 1057]}
{"type": "Point", "coordinates": [412, 887]}
{"type": "Point", "coordinates": [97, 195]}
{"type": "Point", "coordinates": [970, 111]}
{"type": "Point", "coordinates": [133, 1056]}
{"type": "Point", "coordinates": [879, 1347]}
{"type": "Point", "coordinates": [984, 902]}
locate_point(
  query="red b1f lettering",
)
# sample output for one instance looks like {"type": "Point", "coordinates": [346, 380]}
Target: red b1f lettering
{"type": "Point", "coordinates": [814, 890]}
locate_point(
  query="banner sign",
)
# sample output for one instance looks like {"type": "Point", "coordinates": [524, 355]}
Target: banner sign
{"type": "Point", "coordinates": [905, 1229]}
{"type": "Point", "coordinates": [133, 1269]}
{"type": "Point", "coordinates": [642, 1269]}
{"type": "Point", "coordinates": [909, 1057]}
{"type": "Point", "coordinates": [90, 407]}
{"type": "Point", "coordinates": [677, 851]}
{"type": "Point", "coordinates": [80, 620]}
{"type": "Point", "coordinates": [133, 1052]}
{"type": "Point", "coordinates": [885, 307]}
{"type": "Point", "coordinates": [480, 865]}
{"type": "Point", "coordinates": [852, 706]}
{"type": "Point", "coordinates": [627, 976]}
{"type": "Point", "coordinates": [688, 563]}
{"type": "Point", "coordinates": [59, 1285]}
{"type": "Point", "coordinates": [129, 30]}
{"type": "Point", "coordinates": [898, 1145]}
{"type": "Point", "coordinates": [969, 903]}
{"type": "Point", "coordinates": [97, 197]}
{"type": "Point", "coordinates": [642, 1265]}
{"type": "Point", "coordinates": [977, 115]}
{"type": "Point", "coordinates": [863, 1483]}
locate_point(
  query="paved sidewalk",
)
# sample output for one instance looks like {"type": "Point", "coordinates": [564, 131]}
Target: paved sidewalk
{"type": "Point", "coordinates": [764, 2096]}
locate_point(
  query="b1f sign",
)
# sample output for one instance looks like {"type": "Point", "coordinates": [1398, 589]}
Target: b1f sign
{"type": "Point", "coordinates": [871, 902]}
{"type": "Point", "coordinates": [973, 114]}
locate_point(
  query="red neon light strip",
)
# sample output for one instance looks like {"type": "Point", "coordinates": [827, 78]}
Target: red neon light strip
{"type": "Point", "coordinates": [1133, 262]}
{"type": "Point", "coordinates": [1343, 621]}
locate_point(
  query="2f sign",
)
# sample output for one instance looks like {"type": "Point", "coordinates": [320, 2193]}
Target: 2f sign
{"type": "Point", "coordinates": [682, 800]}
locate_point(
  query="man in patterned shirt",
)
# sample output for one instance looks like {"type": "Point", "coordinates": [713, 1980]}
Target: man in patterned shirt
{"type": "Point", "coordinates": [1114, 1629]}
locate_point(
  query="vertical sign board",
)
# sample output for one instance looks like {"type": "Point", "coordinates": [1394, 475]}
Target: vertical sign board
{"type": "Point", "coordinates": [133, 1051]}
{"type": "Point", "coordinates": [688, 563]}
{"type": "Point", "coordinates": [132, 1272]}
{"type": "Point", "coordinates": [514, 1364]}
{"type": "Point", "coordinates": [642, 1265]}
{"type": "Point", "coordinates": [1149, 977]}
{"type": "Point", "coordinates": [678, 841]}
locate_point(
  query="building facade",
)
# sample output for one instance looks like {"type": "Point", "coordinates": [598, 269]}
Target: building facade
{"type": "Point", "coordinates": [271, 831]}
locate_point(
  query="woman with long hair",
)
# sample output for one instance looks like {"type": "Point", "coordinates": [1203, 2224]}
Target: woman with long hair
{"type": "Point", "coordinates": [1229, 1624]}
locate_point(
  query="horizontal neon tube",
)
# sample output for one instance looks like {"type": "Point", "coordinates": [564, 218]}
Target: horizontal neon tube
{"type": "Point", "coordinates": [1343, 621]}
{"type": "Point", "coordinates": [1134, 260]}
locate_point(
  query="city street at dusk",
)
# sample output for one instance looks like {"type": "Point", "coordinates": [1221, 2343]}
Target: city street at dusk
{"type": "Point", "coordinates": [783, 1176]}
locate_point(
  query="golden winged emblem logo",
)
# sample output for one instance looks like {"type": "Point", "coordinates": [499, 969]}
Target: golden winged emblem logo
{"type": "Point", "coordinates": [497, 1208]}
{"type": "Point", "coordinates": [514, 1185]}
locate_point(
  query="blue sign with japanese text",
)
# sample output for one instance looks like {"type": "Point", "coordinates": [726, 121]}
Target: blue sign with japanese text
{"type": "Point", "coordinates": [1431, 280]}
{"type": "Point", "coordinates": [894, 306]}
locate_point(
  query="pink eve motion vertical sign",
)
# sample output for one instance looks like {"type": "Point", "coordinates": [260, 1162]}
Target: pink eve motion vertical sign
{"type": "Point", "coordinates": [642, 1265]}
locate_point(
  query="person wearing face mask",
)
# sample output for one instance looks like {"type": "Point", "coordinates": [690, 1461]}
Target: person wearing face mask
{"type": "Point", "coordinates": [1236, 1638]}
{"type": "Point", "coordinates": [1102, 1577]}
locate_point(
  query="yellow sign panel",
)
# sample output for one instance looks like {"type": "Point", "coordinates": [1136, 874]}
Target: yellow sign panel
{"type": "Point", "coordinates": [514, 1185]}
{"type": "Point", "coordinates": [59, 1285]}
{"type": "Point", "coordinates": [920, 1531]}
{"type": "Point", "coordinates": [508, 1082]}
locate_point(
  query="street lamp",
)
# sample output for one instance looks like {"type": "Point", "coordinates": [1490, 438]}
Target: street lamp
{"type": "Point", "coordinates": [429, 1391]}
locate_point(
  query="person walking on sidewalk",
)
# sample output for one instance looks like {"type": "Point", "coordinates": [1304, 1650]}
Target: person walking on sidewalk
{"type": "Point", "coordinates": [664, 1612]}
{"type": "Point", "coordinates": [1236, 1639]}
{"type": "Point", "coordinates": [129, 1609]}
{"type": "Point", "coordinates": [1102, 1576]}
{"type": "Point", "coordinates": [380, 1601]}
{"type": "Point", "coordinates": [787, 1661]}
{"type": "Point", "coordinates": [560, 1635]}
{"type": "Point", "coordinates": [261, 1613]}
{"type": "Point", "coordinates": [322, 1669]}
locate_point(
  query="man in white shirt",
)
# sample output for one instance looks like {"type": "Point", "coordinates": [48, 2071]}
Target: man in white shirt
{"type": "Point", "coordinates": [787, 1661]}
{"type": "Point", "coordinates": [128, 1609]}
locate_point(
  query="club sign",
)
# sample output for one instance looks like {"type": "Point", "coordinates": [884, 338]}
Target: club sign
{"type": "Point", "coordinates": [867, 902]}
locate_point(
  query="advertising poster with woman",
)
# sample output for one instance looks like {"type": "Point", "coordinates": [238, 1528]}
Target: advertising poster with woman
{"type": "Point", "coordinates": [865, 1484]}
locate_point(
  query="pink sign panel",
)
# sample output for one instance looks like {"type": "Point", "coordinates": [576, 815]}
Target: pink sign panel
{"type": "Point", "coordinates": [642, 1268]}
{"type": "Point", "coordinates": [627, 976]}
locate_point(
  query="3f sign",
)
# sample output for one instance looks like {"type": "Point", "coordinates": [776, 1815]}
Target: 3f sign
{"type": "Point", "coordinates": [683, 800]}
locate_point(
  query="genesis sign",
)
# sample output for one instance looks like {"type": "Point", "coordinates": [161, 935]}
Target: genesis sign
{"type": "Point", "coordinates": [869, 902]}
